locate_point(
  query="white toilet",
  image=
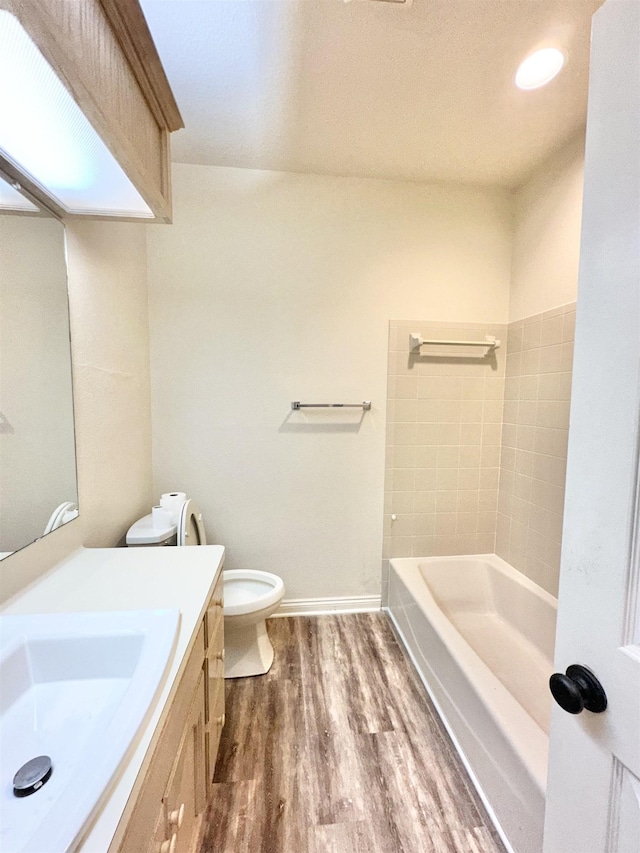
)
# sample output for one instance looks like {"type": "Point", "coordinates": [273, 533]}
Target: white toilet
{"type": "Point", "coordinates": [249, 598]}
{"type": "Point", "coordinates": [184, 528]}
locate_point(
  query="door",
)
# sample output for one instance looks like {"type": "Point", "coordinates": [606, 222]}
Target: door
{"type": "Point", "coordinates": [593, 794]}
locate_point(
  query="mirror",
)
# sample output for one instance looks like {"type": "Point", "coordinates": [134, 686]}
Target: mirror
{"type": "Point", "coordinates": [38, 488]}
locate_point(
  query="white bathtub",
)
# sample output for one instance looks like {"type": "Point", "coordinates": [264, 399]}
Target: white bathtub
{"type": "Point", "coordinates": [481, 635]}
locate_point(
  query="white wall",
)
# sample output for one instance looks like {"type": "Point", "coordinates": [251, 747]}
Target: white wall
{"type": "Point", "coordinates": [272, 287]}
{"type": "Point", "coordinates": [546, 242]}
{"type": "Point", "coordinates": [107, 268]}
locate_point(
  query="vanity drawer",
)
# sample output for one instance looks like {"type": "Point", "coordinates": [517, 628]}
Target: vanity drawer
{"type": "Point", "coordinates": [214, 613]}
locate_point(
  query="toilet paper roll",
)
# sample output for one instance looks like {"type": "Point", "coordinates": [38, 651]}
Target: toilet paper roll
{"type": "Point", "coordinates": [172, 502]}
{"type": "Point", "coordinates": [161, 517]}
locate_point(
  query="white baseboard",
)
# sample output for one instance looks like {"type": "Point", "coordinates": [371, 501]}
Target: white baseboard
{"type": "Point", "coordinates": [321, 606]}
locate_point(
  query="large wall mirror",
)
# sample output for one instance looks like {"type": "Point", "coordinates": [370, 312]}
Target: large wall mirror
{"type": "Point", "coordinates": [38, 486]}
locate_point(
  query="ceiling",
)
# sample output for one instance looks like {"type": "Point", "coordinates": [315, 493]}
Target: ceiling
{"type": "Point", "coordinates": [420, 91]}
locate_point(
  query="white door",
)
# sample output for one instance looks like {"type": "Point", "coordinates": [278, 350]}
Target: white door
{"type": "Point", "coordinates": [593, 795]}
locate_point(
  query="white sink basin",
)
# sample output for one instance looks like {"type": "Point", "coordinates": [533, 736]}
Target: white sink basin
{"type": "Point", "coordinates": [75, 687]}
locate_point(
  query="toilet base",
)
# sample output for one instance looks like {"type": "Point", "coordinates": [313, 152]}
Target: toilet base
{"type": "Point", "coordinates": [247, 649]}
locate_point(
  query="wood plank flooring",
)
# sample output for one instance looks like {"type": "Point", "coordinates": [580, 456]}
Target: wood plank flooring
{"type": "Point", "coordinates": [339, 750]}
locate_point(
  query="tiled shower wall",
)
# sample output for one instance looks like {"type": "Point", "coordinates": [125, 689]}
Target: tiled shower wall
{"type": "Point", "coordinates": [444, 429]}
{"type": "Point", "coordinates": [477, 446]}
{"type": "Point", "coordinates": [534, 444]}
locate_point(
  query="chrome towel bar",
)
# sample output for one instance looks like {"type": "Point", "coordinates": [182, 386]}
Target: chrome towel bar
{"type": "Point", "coordinates": [366, 405]}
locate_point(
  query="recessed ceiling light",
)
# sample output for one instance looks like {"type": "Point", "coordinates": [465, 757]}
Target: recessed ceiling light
{"type": "Point", "coordinates": [539, 68]}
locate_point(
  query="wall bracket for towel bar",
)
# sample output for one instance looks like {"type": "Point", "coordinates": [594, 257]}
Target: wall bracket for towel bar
{"type": "Point", "coordinates": [366, 405]}
{"type": "Point", "coordinates": [416, 341]}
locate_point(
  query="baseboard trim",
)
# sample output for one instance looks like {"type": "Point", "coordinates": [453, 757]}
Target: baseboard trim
{"type": "Point", "coordinates": [322, 606]}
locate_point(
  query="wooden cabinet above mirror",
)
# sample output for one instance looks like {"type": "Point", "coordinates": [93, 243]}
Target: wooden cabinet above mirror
{"type": "Point", "coordinates": [103, 54]}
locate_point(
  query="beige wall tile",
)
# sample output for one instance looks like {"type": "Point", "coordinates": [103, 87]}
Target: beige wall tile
{"type": "Point", "coordinates": [447, 456]}
{"type": "Point", "coordinates": [471, 411]}
{"type": "Point", "coordinates": [487, 500]}
{"type": "Point", "coordinates": [402, 410]}
{"type": "Point", "coordinates": [530, 363]}
{"type": "Point", "coordinates": [402, 525]}
{"type": "Point", "coordinates": [406, 387]}
{"type": "Point", "coordinates": [449, 434]}
{"type": "Point", "coordinates": [487, 522]}
{"type": "Point", "coordinates": [424, 501]}
{"type": "Point", "coordinates": [469, 456]}
{"type": "Point", "coordinates": [470, 433]}
{"type": "Point", "coordinates": [551, 359]}
{"type": "Point", "coordinates": [472, 388]}
{"type": "Point", "coordinates": [491, 433]}
{"type": "Point", "coordinates": [569, 325]}
{"type": "Point", "coordinates": [490, 455]}
{"type": "Point", "coordinates": [489, 477]}
{"type": "Point", "coordinates": [403, 479]}
{"type": "Point", "coordinates": [469, 478]}
{"type": "Point", "coordinates": [401, 502]}
{"type": "Point", "coordinates": [551, 330]}
{"type": "Point", "coordinates": [404, 456]}
{"type": "Point", "coordinates": [446, 501]}
{"type": "Point", "coordinates": [445, 523]}
{"type": "Point", "coordinates": [426, 456]}
{"type": "Point", "coordinates": [404, 433]}
{"type": "Point", "coordinates": [512, 387]}
{"type": "Point", "coordinates": [492, 410]}
{"type": "Point", "coordinates": [468, 501]}
{"type": "Point", "coordinates": [566, 358]}
{"type": "Point", "coordinates": [447, 478]}
{"type": "Point", "coordinates": [486, 543]}
{"type": "Point", "coordinates": [445, 433]}
{"type": "Point", "coordinates": [422, 546]}
{"type": "Point", "coordinates": [532, 333]}
{"type": "Point", "coordinates": [528, 388]}
{"type": "Point", "coordinates": [514, 362]}
{"type": "Point", "coordinates": [514, 338]}
{"type": "Point", "coordinates": [424, 524]}
{"type": "Point", "coordinates": [425, 479]}
{"type": "Point", "coordinates": [427, 433]}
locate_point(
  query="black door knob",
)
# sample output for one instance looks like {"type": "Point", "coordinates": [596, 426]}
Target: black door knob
{"type": "Point", "coordinates": [577, 690]}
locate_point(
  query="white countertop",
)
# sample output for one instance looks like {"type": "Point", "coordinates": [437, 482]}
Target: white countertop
{"type": "Point", "coordinates": [129, 579]}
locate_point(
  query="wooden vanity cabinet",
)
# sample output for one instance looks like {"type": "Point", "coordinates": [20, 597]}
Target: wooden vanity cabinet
{"type": "Point", "coordinates": [167, 806]}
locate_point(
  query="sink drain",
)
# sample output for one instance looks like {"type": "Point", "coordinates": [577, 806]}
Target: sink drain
{"type": "Point", "coordinates": [32, 776]}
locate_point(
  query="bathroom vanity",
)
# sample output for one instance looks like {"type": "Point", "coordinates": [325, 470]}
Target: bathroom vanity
{"type": "Point", "coordinates": [157, 799]}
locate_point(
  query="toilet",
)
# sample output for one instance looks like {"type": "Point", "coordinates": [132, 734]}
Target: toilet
{"type": "Point", "coordinates": [250, 596]}
{"type": "Point", "coordinates": [185, 527]}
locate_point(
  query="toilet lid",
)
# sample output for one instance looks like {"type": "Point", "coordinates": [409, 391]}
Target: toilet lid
{"type": "Point", "coordinates": [57, 518]}
{"type": "Point", "coordinates": [190, 525]}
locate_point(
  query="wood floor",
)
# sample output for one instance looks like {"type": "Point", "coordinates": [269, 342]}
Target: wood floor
{"type": "Point", "coordinates": [339, 750]}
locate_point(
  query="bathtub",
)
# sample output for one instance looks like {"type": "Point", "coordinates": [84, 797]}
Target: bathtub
{"type": "Point", "coordinates": [481, 635]}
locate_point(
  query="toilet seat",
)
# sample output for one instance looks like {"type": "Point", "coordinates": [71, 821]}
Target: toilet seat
{"type": "Point", "coordinates": [248, 591]}
{"type": "Point", "coordinates": [190, 525]}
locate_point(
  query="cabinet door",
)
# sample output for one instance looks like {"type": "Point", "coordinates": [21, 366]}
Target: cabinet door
{"type": "Point", "coordinates": [185, 799]}
{"type": "Point", "coordinates": [214, 703]}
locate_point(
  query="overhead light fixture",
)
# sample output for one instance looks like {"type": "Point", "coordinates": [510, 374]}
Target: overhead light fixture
{"type": "Point", "coordinates": [47, 137]}
{"type": "Point", "coordinates": [12, 199]}
{"type": "Point", "coordinates": [539, 68]}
